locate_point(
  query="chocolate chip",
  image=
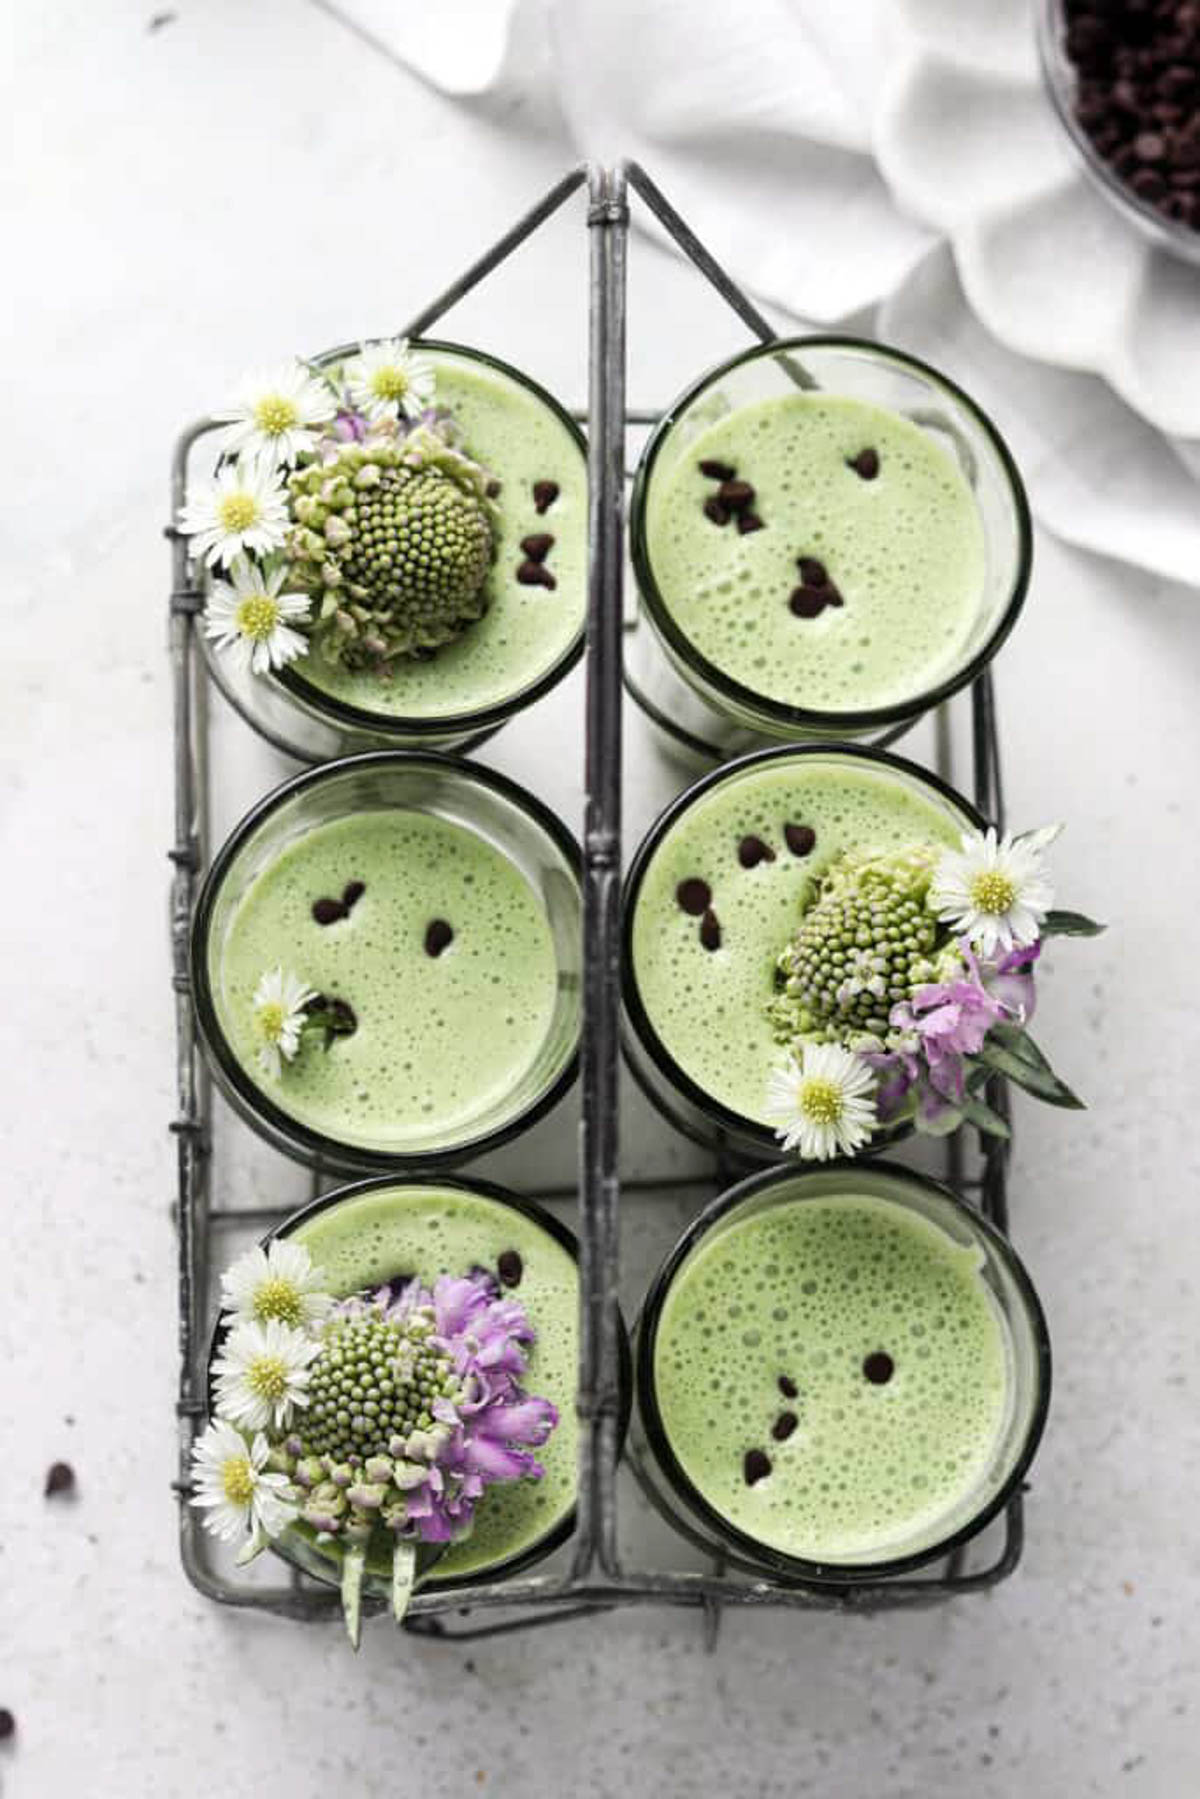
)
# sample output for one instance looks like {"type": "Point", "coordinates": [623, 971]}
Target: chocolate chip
{"type": "Point", "coordinates": [800, 839]}
{"type": "Point", "coordinates": [783, 1426]}
{"type": "Point", "coordinates": [544, 494]}
{"type": "Point", "coordinates": [343, 1018]}
{"type": "Point", "coordinates": [735, 494]}
{"type": "Point", "coordinates": [866, 464]}
{"type": "Point", "coordinates": [756, 1466]}
{"type": "Point", "coordinates": [438, 936]}
{"type": "Point", "coordinates": [879, 1367]}
{"type": "Point", "coordinates": [715, 510]}
{"type": "Point", "coordinates": [693, 896]}
{"type": "Point", "coordinates": [60, 1478]}
{"type": "Point", "coordinates": [812, 572]}
{"type": "Point", "coordinates": [328, 911]}
{"type": "Point", "coordinates": [752, 850]}
{"type": "Point", "coordinates": [710, 930]}
{"type": "Point", "coordinates": [533, 574]}
{"type": "Point", "coordinates": [747, 522]}
{"type": "Point", "coordinates": [537, 545]}
{"type": "Point", "coordinates": [808, 602]}
{"type": "Point", "coordinates": [8, 1724]}
{"type": "Point", "coordinates": [788, 1387]}
{"type": "Point", "coordinates": [510, 1268]}
{"type": "Point", "coordinates": [352, 892]}
{"type": "Point", "coordinates": [717, 471]}
{"type": "Point", "coordinates": [493, 489]}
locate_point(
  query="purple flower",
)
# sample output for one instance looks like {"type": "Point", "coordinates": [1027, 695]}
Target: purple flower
{"type": "Point", "coordinates": [350, 426]}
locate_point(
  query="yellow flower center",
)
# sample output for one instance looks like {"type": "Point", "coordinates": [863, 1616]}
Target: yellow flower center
{"type": "Point", "coordinates": [820, 1100]}
{"type": "Point", "coordinates": [389, 382]}
{"type": "Point", "coordinates": [237, 511]}
{"type": "Point", "coordinates": [276, 1298]}
{"type": "Point", "coordinates": [274, 414]}
{"type": "Point", "coordinates": [257, 616]}
{"type": "Point", "coordinates": [237, 1480]}
{"type": "Point", "coordinates": [266, 1377]}
{"type": "Point", "coordinates": [271, 1019]}
{"type": "Point", "coordinates": [992, 892]}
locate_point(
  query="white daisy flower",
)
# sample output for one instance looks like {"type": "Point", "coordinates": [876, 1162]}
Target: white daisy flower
{"type": "Point", "coordinates": [250, 618]}
{"type": "Point", "coordinates": [262, 1374]}
{"type": "Point", "coordinates": [243, 510]}
{"type": "Point", "coordinates": [389, 379]}
{"type": "Point", "coordinates": [233, 1487]}
{"type": "Point", "coordinates": [822, 1105]}
{"type": "Point", "coordinates": [272, 415]}
{"type": "Point", "coordinates": [995, 892]}
{"type": "Point", "coordinates": [279, 1002]}
{"type": "Point", "coordinates": [278, 1282]}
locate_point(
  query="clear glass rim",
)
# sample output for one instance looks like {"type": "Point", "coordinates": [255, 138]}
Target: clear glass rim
{"type": "Point", "coordinates": [480, 718]}
{"type": "Point", "coordinates": [562, 1234]}
{"type": "Point", "coordinates": [1166, 234]}
{"type": "Point", "coordinates": [635, 1011]}
{"type": "Point", "coordinates": [316, 1144]}
{"type": "Point", "coordinates": [778, 713]}
{"type": "Point", "coordinates": [762, 1555]}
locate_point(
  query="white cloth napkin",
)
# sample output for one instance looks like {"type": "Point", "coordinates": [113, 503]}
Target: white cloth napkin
{"type": "Point", "coordinates": [757, 121]}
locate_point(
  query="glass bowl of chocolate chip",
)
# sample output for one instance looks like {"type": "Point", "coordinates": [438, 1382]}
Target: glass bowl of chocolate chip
{"type": "Point", "coordinates": [1124, 78]}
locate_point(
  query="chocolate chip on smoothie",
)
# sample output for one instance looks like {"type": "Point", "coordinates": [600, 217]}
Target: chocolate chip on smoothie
{"type": "Point", "coordinates": [510, 1268]}
{"type": "Point", "coordinates": [328, 911]}
{"type": "Point", "coordinates": [752, 850]}
{"type": "Point", "coordinates": [783, 1426]}
{"type": "Point", "coordinates": [808, 602]}
{"type": "Point", "coordinates": [60, 1478]}
{"type": "Point", "coordinates": [535, 574]}
{"type": "Point", "coordinates": [800, 839]}
{"type": "Point", "coordinates": [693, 896]}
{"type": "Point", "coordinates": [343, 1019]}
{"type": "Point", "coordinates": [544, 494]}
{"type": "Point", "coordinates": [788, 1387]}
{"type": "Point", "coordinates": [8, 1724]}
{"type": "Point", "coordinates": [716, 510]}
{"type": "Point", "coordinates": [710, 930]}
{"type": "Point", "coordinates": [879, 1367]}
{"type": "Point", "coordinates": [537, 545]}
{"type": "Point", "coordinates": [493, 489]}
{"type": "Point", "coordinates": [866, 464]}
{"type": "Point", "coordinates": [812, 572]}
{"type": "Point", "coordinates": [352, 892]}
{"type": "Point", "coordinates": [756, 1466]}
{"type": "Point", "coordinates": [438, 936]}
{"type": "Point", "coordinates": [735, 494]}
{"type": "Point", "coordinates": [717, 471]}
{"type": "Point", "coordinates": [747, 522]}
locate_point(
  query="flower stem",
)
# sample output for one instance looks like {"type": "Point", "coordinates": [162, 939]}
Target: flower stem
{"type": "Point", "coordinates": [354, 1562]}
{"type": "Point", "coordinates": [404, 1570]}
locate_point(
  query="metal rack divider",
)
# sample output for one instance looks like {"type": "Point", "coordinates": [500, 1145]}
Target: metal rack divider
{"type": "Point", "coordinates": [596, 1579]}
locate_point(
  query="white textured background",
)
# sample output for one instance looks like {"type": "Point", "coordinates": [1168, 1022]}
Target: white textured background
{"type": "Point", "coordinates": [190, 200]}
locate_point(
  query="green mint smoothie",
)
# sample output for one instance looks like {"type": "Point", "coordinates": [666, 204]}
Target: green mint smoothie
{"type": "Point", "coordinates": [527, 629]}
{"type": "Point", "coordinates": [833, 1376]}
{"type": "Point", "coordinates": [430, 1231]}
{"type": "Point", "coordinates": [893, 557]}
{"type": "Point", "coordinates": [707, 929]}
{"type": "Point", "coordinates": [445, 957]}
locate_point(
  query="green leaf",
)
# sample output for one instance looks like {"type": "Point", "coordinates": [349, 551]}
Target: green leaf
{"type": "Point", "coordinates": [1043, 1083]}
{"type": "Point", "coordinates": [404, 1571]}
{"type": "Point", "coordinates": [1070, 924]}
{"type": "Point", "coordinates": [943, 1125]}
{"type": "Point", "coordinates": [981, 1115]}
{"type": "Point", "coordinates": [1016, 1038]}
{"type": "Point", "coordinates": [354, 1563]}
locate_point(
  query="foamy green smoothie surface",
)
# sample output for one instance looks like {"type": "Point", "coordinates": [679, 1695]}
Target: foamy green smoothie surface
{"type": "Point", "coordinates": [440, 1039]}
{"type": "Point", "coordinates": [904, 551]}
{"type": "Point", "coordinates": [872, 1333]}
{"type": "Point", "coordinates": [707, 1005]}
{"type": "Point", "coordinates": [431, 1231]}
{"type": "Point", "coordinates": [526, 629]}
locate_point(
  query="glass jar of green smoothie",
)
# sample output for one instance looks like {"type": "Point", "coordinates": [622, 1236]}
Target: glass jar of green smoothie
{"type": "Point", "coordinates": [526, 632]}
{"type": "Point", "coordinates": [829, 538]}
{"type": "Point", "coordinates": [841, 1374]}
{"type": "Point", "coordinates": [385, 960]}
{"type": "Point", "coordinates": [714, 893]}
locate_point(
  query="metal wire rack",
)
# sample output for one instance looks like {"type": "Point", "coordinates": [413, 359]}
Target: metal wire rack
{"type": "Point", "coordinates": [595, 1578]}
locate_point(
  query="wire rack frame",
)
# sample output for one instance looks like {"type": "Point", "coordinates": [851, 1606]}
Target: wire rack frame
{"type": "Point", "coordinates": [595, 1579]}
